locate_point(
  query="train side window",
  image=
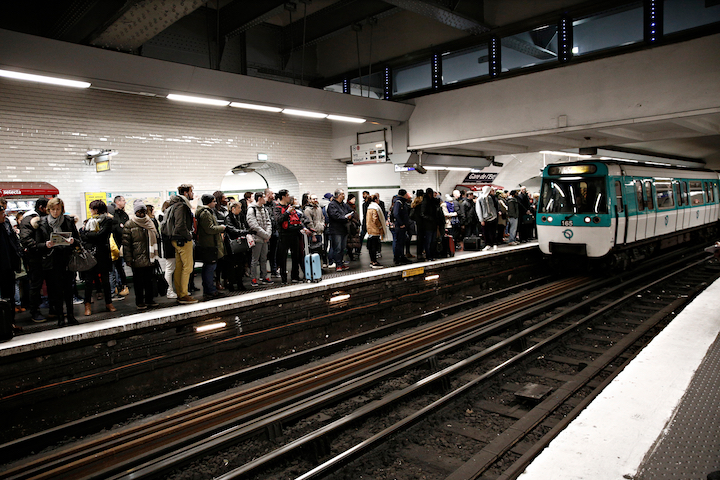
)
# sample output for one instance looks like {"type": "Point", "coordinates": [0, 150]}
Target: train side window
{"type": "Point", "coordinates": [696, 194]}
{"type": "Point", "coordinates": [709, 192]}
{"type": "Point", "coordinates": [648, 195]}
{"type": "Point", "coordinates": [664, 194]}
{"type": "Point", "coordinates": [686, 198]}
{"type": "Point", "coordinates": [639, 196]}
{"type": "Point", "coordinates": [619, 197]}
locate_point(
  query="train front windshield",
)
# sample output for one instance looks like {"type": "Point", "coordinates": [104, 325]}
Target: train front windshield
{"type": "Point", "coordinates": [573, 195]}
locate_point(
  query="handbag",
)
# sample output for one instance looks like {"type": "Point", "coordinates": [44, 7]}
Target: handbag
{"type": "Point", "coordinates": [159, 283]}
{"type": "Point", "coordinates": [527, 219]}
{"type": "Point", "coordinates": [81, 260]}
{"type": "Point", "coordinates": [239, 245]}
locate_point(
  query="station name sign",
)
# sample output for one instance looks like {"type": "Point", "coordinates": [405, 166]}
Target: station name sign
{"type": "Point", "coordinates": [480, 177]}
{"type": "Point", "coordinates": [10, 192]}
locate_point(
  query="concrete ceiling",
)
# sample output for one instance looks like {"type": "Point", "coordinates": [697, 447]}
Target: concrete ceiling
{"type": "Point", "coordinates": [316, 41]}
{"type": "Point", "coordinates": [695, 139]}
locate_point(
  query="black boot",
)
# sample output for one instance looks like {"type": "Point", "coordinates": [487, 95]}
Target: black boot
{"type": "Point", "coordinates": [72, 321]}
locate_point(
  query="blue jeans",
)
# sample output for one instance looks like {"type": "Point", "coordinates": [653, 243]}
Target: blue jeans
{"type": "Point", "coordinates": [512, 229]}
{"type": "Point", "coordinates": [208, 278]}
{"type": "Point", "coordinates": [338, 248]}
{"type": "Point", "coordinates": [430, 244]}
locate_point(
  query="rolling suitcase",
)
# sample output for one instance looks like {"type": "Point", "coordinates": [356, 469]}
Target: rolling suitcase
{"type": "Point", "coordinates": [473, 243]}
{"type": "Point", "coordinates": [313, 266]}
{"type": "Point", "coordinates": [7, 318]}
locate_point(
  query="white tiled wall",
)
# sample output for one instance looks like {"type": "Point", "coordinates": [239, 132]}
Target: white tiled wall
{"type": "Point", "coordinates": [45, 132]}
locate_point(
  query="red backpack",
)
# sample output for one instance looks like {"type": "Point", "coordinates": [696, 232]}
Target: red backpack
{"type": "Point", "coordinates": [293, 219]}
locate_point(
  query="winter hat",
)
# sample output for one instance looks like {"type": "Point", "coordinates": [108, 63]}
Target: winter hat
{"type": "Point", "coordinates": [327, 196]}
{"type": "Point", "coordinates": [207, 199]}
{"type": "Point", "coordinates": [402, 192]}
{"type": "Point", "coordinates": [138, 205]}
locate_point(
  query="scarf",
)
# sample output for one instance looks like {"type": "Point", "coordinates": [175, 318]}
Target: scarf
{"type": "Point", "coordinates": [56, 223]}
{"type": "Point", "coordinates": [147, 223]}
{"type": "Point", "coordinates": [93, 224]}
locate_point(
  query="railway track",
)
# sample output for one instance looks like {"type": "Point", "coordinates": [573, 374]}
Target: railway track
{"type": "Point", "coordinates": [156, 447]}
{"type": "Point", "coordinates": [116, 451]}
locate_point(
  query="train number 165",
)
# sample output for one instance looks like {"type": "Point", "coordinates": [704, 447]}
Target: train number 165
{"type": "Point", "coordinates": [566, 223]}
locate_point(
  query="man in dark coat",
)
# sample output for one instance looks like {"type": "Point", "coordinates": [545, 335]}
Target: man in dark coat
{"type": "Point", "coordinates": [33, 243]}
{"type": "Point", "coordinates": [339, 214]}
{"type": "Point", "coordinates": [10, 253]}
{"type": "Point", "coordinates": [120, 218]}
{"type": "Point", "coordinates": [401, 224]}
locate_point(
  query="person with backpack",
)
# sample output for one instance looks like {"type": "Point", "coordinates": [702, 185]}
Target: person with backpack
{"type": "Point", "coordinates": [260, 225]}
{"type": "Point", "coordinates": [290, 227]}
{"type": "Point", "coordinates": [180, 228]}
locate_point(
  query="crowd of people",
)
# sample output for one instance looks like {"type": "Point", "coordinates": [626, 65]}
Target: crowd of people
{"type": "Point", "coordinates": [252, 238]}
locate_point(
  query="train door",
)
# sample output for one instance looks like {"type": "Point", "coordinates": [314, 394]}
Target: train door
{"type": "Point", "coordinates": [709, 202]}
{"type": "Point", "coordinates": [620, 215]}
{"type": "Point", "coordinates": [631, 211]}
{"type": "Point", "coordinates": [686, 204]}
{"type": "Point", "coordinates": [641, 215]}
{"type": "Point", "coordinates": [716, 205]}
{"type": "Point", "coordinates": [679, 205]}
{"type": "Point", "coordinates": [697, 203]}
{"type": "Point", "coordinates": [665, 202]}
{"type": "Point", "coordinates": [650, 209]}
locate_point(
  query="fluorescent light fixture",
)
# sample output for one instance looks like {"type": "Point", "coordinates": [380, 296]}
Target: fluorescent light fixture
{"type": "Point", "coordinates": [201, 100]}
{"type": "Point", "coordinates": [304, 113]}
{"type": "Point", "coordinates": [432, 277]}
{"type": "Point", "coordinates": [262, 157]}
{"type": "Point", "coordinates": [339, 298]}
{"type": "Point", "coordinates": [211, 326]}
{"type": "Point", "coordinates": [455, 169]}
{"type": "Point", "coordinates": [340, 118]}
{"type": "Point", "coordinates": [252, 106]}
{"type": "Point", "coordinates": [576, 50]}
{"type": "Point", "coordinates": [565, 154]}
{"type": "Point", "coordinates": [43, 79]}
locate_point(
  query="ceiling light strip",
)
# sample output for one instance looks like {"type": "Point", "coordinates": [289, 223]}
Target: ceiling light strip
{"type": "Point", "coordinates": [43, 79]}
{"type": "Point", "coordinates": [252, 106]}
{"type": "Point", "coordinates": [304, 113]}
{"type": "Point", "coordinates": [341, 118]}
{"type": "Point", "coordinates": [201, 100]}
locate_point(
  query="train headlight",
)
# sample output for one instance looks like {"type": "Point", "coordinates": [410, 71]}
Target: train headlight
{"type": "Point", "coordinates": [549, 219]}
{"type": "Point", "coordinates": [587, 219]}
{"type": "Point", "coordinates": [596, 220]}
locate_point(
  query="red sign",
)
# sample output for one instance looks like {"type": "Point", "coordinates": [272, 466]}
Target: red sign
{"type": "Point", "coordinates": [27, 189]}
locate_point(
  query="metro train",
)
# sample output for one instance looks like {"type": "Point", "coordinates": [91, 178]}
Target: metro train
{"type": "Point", "coordinates": [619, 212]}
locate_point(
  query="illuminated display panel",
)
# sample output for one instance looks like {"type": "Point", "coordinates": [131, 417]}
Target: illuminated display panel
{"type": "Point", "coordinates": [572, 169]}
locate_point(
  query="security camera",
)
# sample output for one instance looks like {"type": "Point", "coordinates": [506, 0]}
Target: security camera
{"type": "Point", "coordinates": [419, 168]}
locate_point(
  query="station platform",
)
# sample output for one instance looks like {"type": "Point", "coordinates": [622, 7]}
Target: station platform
{"type": "Point", "coordinates": [659, 419]}
{"type": "Point", "coordinates": [127, 318]}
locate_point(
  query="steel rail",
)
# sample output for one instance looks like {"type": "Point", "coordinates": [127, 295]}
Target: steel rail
{"type": "Point", "coordinates": [232, 435]}
{"type": "Point", "coordinates": [82, 427]}
{"type": "Point", "coordinates": [118, 446]}
{"type": "Point", "coordinates": [375, 440]}
{"type": "Point", "coordinates": [369, 409]}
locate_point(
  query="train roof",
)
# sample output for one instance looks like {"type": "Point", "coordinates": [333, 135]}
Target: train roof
{"type": "Point", "coordinates": [638, 168]}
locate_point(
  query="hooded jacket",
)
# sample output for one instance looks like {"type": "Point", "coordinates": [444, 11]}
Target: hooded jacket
{"type": "Point", "coordinates": [180, 219]}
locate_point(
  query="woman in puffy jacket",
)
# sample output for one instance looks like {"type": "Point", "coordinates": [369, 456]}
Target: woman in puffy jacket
{"type": "Point", "coordinates": [140, 249]}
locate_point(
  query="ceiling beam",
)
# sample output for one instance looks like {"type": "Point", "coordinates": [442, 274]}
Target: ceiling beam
{"type": "Point", "coordinates": [240, 15]}
{"type": "Point", "coordinates": [699, 125]}
{"type": "Point", "coordinates": [330, 21]}
{"type": "Point", "coordinates": [462, 16]}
